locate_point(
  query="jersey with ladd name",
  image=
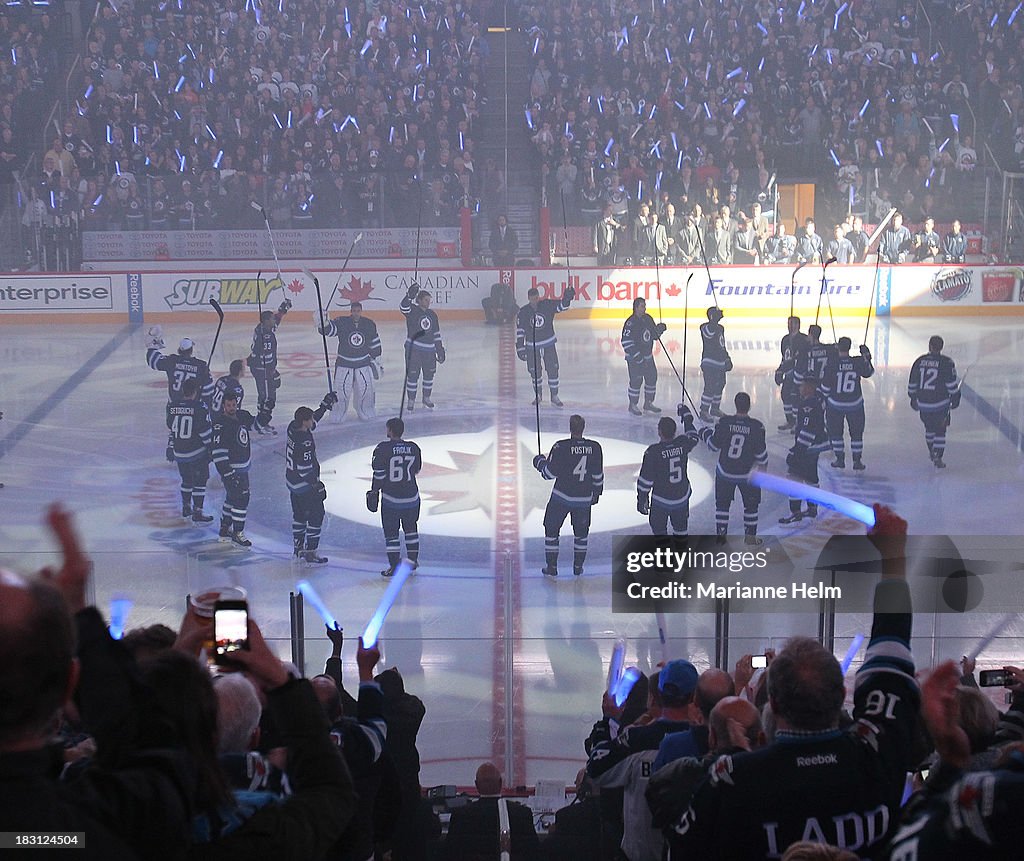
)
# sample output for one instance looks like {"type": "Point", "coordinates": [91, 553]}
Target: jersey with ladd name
{"type": "Point", "coordinates": [231, 450]}
{"type": "Point", "coordinates": [221, 388]}
{"type": "Point", "coordinates": [189, 423]}
{"type": "Point", "coordinates": [179, 369]}
{"type": "Point", "coordinates": [638, 337]}
{"type": "Point", "coordinates": [841, 381]}
{"type": "Point", "coordinates": [358, 341]}
{"type": "Point", "coordinates": [841, 787]}
{"type": "Point", "coordinates": [395, 463]}
{"type": "Point", "coordinates": [811, 363]}
{"type": "Point", "coordinates": [810, 423]}
{"type": "Point", "coordinates": [302, 469]}
{"type": "Point", "coordinates": [740, 442]}
{"type": "Point", "coordinates": [713, 337]}
{"type": "Point", "coordinates": [422, 329]}
{"type": "Point", "coordinates": [263, 353]}
{"type": "Point", "coordinates": [932, 381]}
{"type": "Point", "coordinates": [793, 346]}
{"type": "Point", "coordinates": [663, 471]}
{"type": "Point", "coordinates": [538, 324]}
{"type": "Point", "coordinates": [577, 467]}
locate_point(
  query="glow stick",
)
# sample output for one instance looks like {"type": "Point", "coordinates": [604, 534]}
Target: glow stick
{"type": "Point", "coordinates": [794, 489]}
{"type": "Point", "coordinates": [985, 641]}
{"type": "Point", "coordinates": [394, 587]}
{"type": "Point", "coordinates": [625, 685]}
{"type": "Point", "coordinates": [662, 634]}
{"type": "Point", "coordinates": [309, 593]}
{"type": "Point", "coordinates": [615, 665]}
{"type": "Point", "coordinates": [119, 610]}
{"type": "Point", "coordinates": [851, 653]}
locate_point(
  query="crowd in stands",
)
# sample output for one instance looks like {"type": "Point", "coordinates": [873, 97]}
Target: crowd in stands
{"type": "Point", "coordinates": [880, 104]}
{"type": "Point", "coordinates": [142, 748]}
{"type": "Point", "coordinates": [354, 115]}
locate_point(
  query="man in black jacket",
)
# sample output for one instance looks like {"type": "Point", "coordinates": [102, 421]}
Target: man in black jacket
{"type": "Point", "coordinates": [473, 829]}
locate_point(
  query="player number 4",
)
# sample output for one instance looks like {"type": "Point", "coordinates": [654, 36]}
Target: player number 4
{"type": "Point", "coordinates": [581, 469]}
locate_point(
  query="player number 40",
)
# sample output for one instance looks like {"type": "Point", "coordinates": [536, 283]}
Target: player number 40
{"type": "Point", "coordinates": [183, 427]}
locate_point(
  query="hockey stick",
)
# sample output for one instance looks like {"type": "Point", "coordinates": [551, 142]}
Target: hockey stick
{"type": "Point", "coordinates": [871, 301]}
{"type": "Point", "coordinates": [792, 285]}
{"type": "Point", "coordinates": [419, 227]}
{"type": "Point", "coordinates": [323, 333]}
{"type": "Point", "coordinates": [270, 233]}
{"type": "Point", "coordinates": [828, 296]}
{"type": "Point", "coordinates": [220, 322]}
{"type": "Point", "coordinates": [565, 234]}
{"type": "Point", "coordinates": [259, 345]}
{"type": "Point", "coordinates": [536, 383]}
{"type": "Point", "coordinates": [355, 241]}
{"type": "Point", "coordinates": [704, 257]}
{"type": "Point", "coordinates": [657, 275]}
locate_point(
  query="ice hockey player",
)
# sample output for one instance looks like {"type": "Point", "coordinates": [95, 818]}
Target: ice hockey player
{"type": "Point", "coordinates": [714, 364]}
{"type": "Point", "coordinates": [933, 390]}
{"type": "Point", "coordinates": [639, 333]}
{"type": "Point", "coordinates": [231, 457]}
{"type": "Point", "coordinates": [663, 486]}
{"type": "Point", "coordinates": [811, 440]}
{"type": "Point", "coordinates": [302, 474]}
{"type": "Point", "coordinates": [740, 443]}
{"type": "Point", "coordinates": [230, 383]}
{"type": "Point", "coordinates": [358, 363]}
{"type": "Point", "coordinates": [576, 465]}
{"type": "Point", "coordinates": [793, 345]}
{"type": "Point", "coordinates": [423, 347]}
{"type": "Point", "coordinates": [844, 401]}
{"type": "Point", "coordinates": [178, 367]}
{"type": "Point", "coordinates": [188, 419]}
{"type": "Point", "coordinates": [535, 339]}
{"type": "Point", "coordinates": [263, 366]}
{"type": "Point", "coordinates": [811, 363]}
{"type": "Point", "coordinates": [395, 464]}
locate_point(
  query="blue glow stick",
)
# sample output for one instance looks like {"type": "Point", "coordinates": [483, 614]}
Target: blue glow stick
{"type": "Point", "coordinates": [668, 57]}
{"type": "Point", "coordinates": [864, 107]}
{"type": "Point", "coordinates": [992, 23]}
{"type": "Point", "coordinates": [120, 607]}
{"type": "Point", "coordinates": [760, 66]}
{"type": "Point", "coordinates": [794, 489]}
{"type": "Point", "coordinates": [615, 665]}
{"type": "Point", "coordinates": [955, 120]}
{"type": "Point", "coordinates": [659, 617]}
{"type": "Point", "coordinates": [529, 119]}
{"type": "Point", "coordinates": [761, 27]}
{"type": "Point", "coordinates": [944, 144]}
{"type": "Point", "coordinates": [216, 161]}
{"type": "Point", "coordinates": [737, 71]}
{"type": "Point", "coordinates": [625, 685]}
{"type": "Point", "coordinates": [394, 587]}
{"type": "Point", "coordinates": [851, 653]}
{"type": "Point", "coordinates": [681, 107]}
{"type": "Point", "coordinates": [88, 92]}
{"type": "Point", "coordinates": [1013, 14]}
{"type": "Point", "coordinates": [878, 146]}
{"type": "Point", "coordinates": [310, 594]}
{"type": "Point", "coordinates": [740, 105]}
{"type": "Point", "coordinates": [835, 158]}
{"type": "Point", "coordinates": [180, 84]}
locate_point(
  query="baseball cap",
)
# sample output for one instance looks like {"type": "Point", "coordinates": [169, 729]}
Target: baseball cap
{"type": "Point", "coordinates": [680, 674]}
{"type": "Point", "coordinates": [186, 344]}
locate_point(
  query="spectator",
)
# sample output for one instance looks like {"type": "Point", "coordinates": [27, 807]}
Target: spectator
{"type": "Point", "coordinates": [504, 244]}
{"type": "Point", "coordinates": [840, 248]}
{"type": "Point", "coordinates": [780, 248]}
{"type": "Point", "coordinates": [809, 246]}
{"type": "Point", "coordinates": [927, 244]}
{"type": "Point", "coordinates": [895, 244]}
{"type": "Point", "coordinates": [473, 829]}
{"type": "Point", "coordinates": [954, 246]}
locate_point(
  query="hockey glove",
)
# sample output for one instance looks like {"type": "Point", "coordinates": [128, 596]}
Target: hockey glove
{"type": "Point", "coordinates": [779, 377]}
{"type": "Point", "coordinates": [284, 307]}
{"type": "Point", "coordinates": [954, 400]}
{"type": "Point", "coordinates": [377, 370]}
{"type": "Point", "coordinates": [705, 434]}
{"type": "Point", "coordinates": [412, 292]}
{"type": "Point", "coordinates": [728, 363]}
{"type": "Point", "coordinates": [643, 504]}
{"type": "Point", "coordinates": [521, 355]}
{"type": "Point", "coordinates": [685, 414]}
{"type": "Point", "coordinates": [913, 404]}
{"type": "Point", "coordinates": [865, 352]}
{"type": "Point", "coordinates": [330, 399]}
{"type": "Point", "coordinates": [155, 338]}
{"type": "Point", "coordinates": [595, 499]}
{"type": "Point", "coordinates": [320, 489]}
{"type": "Point", "coordinates": [569, 294]}
{"type": "Point", "coordinates": [372, 500]}
{"type": "Point", "coordinates": [660, 330]}
{"type": "Point", "coordinates": [539, 462]}
{"type": "Point", "coordinates": [277, 379]}
{"type": "Point", "coordinates": [320, 323]}
{"type": "Point", "coordinates": [440, 353]}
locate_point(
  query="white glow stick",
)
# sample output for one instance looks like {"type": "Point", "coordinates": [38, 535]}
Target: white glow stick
{"type": "Point", "coordinates": [373, 627]}
{"type": "Point", "coordinates": [786, 486]}
{"type": "Point", "coordinates": [309, 593]}
{"type": "Point", "coordinates": [985, 641]}
{"type": "Point", "coordinates": [851, 652]}
{"type": "Point", "coordinates": [625, 685]}
{"type": "Point", "coordinates": [662, 634]}
{"type": "Point", "coordinates": [119, 610]}
{"type": "Point", "coordinates": [615, 665]}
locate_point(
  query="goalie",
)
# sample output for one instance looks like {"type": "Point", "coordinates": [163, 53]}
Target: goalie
{"type": "Point", "coordinates": [358, 364]}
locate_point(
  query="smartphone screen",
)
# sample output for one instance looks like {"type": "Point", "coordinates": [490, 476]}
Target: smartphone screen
{"type": "Point", "coordinates": [994, 678]}
{"type": "Point", "coordinates": [759, 662]}
{"type": "Point", "coordinates": [230, 627]}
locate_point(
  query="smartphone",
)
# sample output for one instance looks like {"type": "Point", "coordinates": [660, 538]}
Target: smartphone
{"type": "Point", "coordinates": [759, 662]}
{"type": "Point", "coordinates": [995, 679]}
{"type": "Point", "coordinates": [230, 629]}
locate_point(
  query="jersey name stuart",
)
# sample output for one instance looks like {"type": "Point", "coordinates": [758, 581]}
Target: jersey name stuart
{"type": "Point", "coordinates": [663, 471]}
{"type": "Point", "coordinates": [395, 466]}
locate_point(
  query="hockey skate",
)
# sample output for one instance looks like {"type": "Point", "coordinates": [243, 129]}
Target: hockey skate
{"type": "Point", "coordinates": [635, 410]}
{"type": "Point", "coordinates": [535, 401]}
{"type": "Point", "coordinates": [858, 465]}
{"type": "Point", "coordinates": [789, 425]}
{"type": "Point", "coordinates": [649, 407]}
{"type": "Point", "coordinates": [707, 418]}
{"type": "Point", "coordinates": [795, 517]}
{"type": "Point", "coordinates": [224, 536]}
{"type": "Point", "coordinates": [716, 412]}
{"type": "Point", "coordinates": [186, 511]}
{"type": "Point", "coordinates": [312, 557]}
{"type": "Point", "coordinates": [839, 462]}
{"type": "Point", "coordinates": [429, 404]}
{"type": "Point", "coordinates": [388, 572]}
{"type": "Point", "coordinates": [753, 540]}
{"type": "Point", "coordinates": [239, 539]}
{"type": "Point", "coordinates": [549, 571]}
{"type": "Point", "coordinates": [555, 402]}
{"type": "Point", "coordinates": [577, 570]}
{"type": "Point", "coordinates": [199, 517]}
{"type": "Point", "coordinates": [410, 405]}
{"type": "Point", "coordinates": [939, 463]}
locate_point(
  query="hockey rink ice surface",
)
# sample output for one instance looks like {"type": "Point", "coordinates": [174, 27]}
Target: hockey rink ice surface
{"type": "Point", "coordinates": [510, 664]}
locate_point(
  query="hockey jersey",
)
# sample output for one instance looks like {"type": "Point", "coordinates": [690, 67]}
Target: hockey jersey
{"type": "Point", "coordinates": [639, 335]}
{"type": "Point", "coordinates": [358, 341]}
{"type": "Point", "coordinates": [302, 469]}
{"type": "Point", "coordinates": [577, 468]}
{"type": "Point", "coordinates": [422, 329]}
{"type": "Point", "coordinates": [933, 382]}
{"type": "Point", "coordinates": [810, 424]}
{"type": "Point", "coordinates": [226, 384]}
{"type": "Point", "coordinates": [663, 471]}
{"type": "Point", "coordinates": [841, 787]}
{"type": "Point", "coordinates": [841, 381]}
{"type": "Point", "coordinates": [263, 353]}
{"type": "Point", "coordinates": [231, 450]}
{"type": "Point", "coordinates": [792, 346]}
{"type": "Point", "coordinates": [811, 362]}
{"type": "Point", "coordinates": [539, 323]}
{"type": "Point", "coordinates": [189, 423]}
{"type": "Point", "coordinates": [179, 369]}
{"type": "Point", "coordinates": [740, 442]}
{"type": "Point", "coordinates": [713, 337]}
{"type": "Point", "coordinates": [395, 464]}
